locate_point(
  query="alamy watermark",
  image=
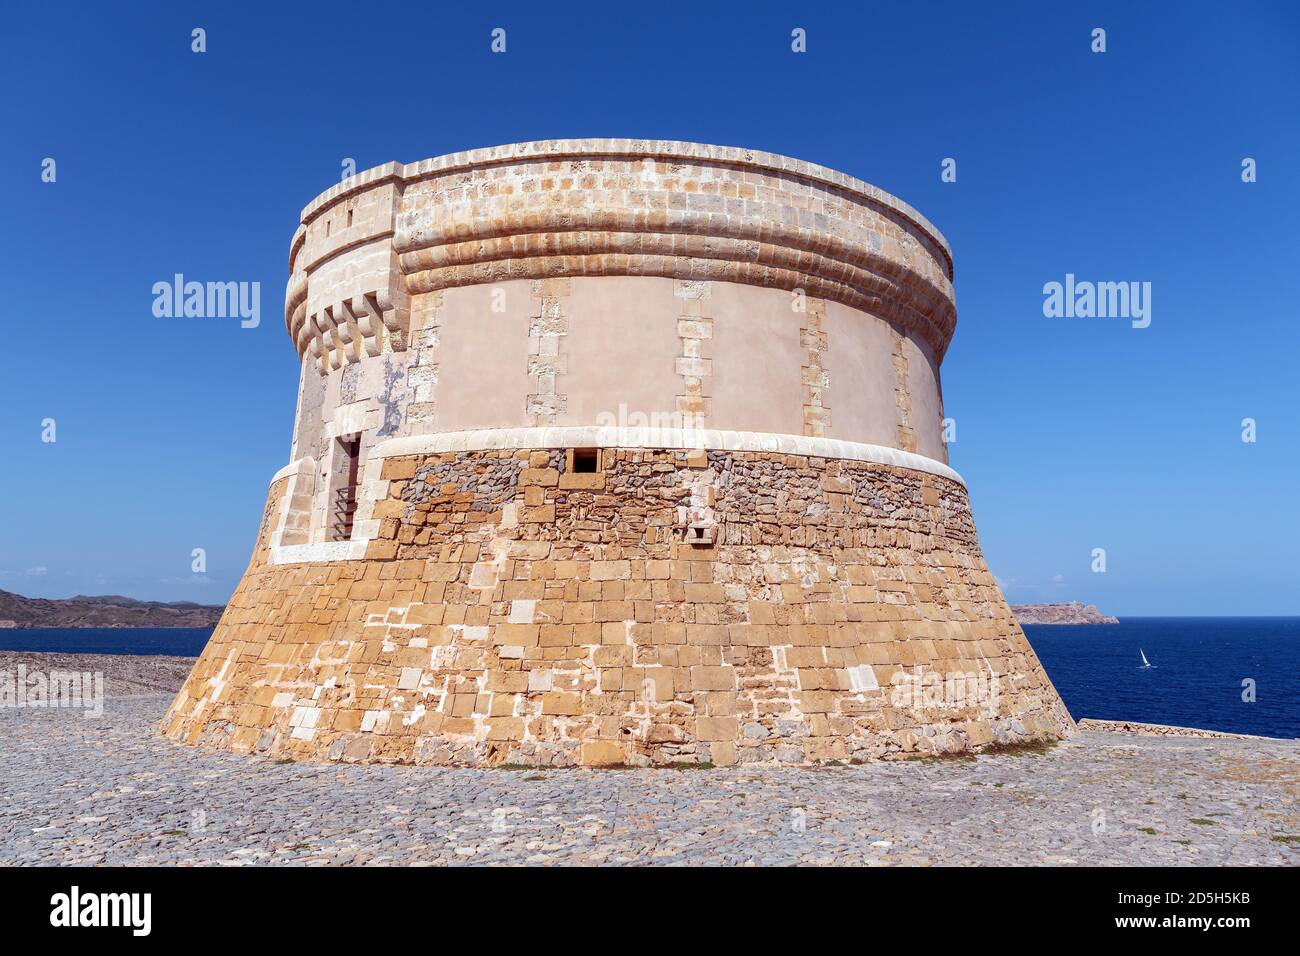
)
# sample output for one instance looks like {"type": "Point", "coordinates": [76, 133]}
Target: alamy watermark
{"type": "Point", "coordinates": [78, 690]}
{"type": "Point", "coordinates": [925, 690]}
{"type": "Point", "coordinates": [208, 300]}
{"type": "Point", "coordinates": [1103, 300]}
{"type": "Point", "coordinates": [690, 424]}
{"type": "Point", "coordinates": [129, 910]}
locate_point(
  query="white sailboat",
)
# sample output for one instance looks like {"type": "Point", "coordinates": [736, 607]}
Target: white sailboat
{"type": "Point", "coordinates": [1145, 662]}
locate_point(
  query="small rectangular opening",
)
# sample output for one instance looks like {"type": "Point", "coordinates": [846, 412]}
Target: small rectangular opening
{"type": "Point", "coordinates": [343, 493]}
{"type": "Point", "coordinates": [586, 461]}
{"type": "Point", "coordinates": [349, 218]}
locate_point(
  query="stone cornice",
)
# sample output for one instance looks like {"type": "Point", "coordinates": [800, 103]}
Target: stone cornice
{"type": "Point", "coordinates": [645, 208]}
{"type": "Point", "coordinates": [560, 149]}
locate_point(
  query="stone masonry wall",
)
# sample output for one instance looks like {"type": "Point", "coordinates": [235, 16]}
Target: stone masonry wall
{"type": "Point", "coordinates": [514, 611]}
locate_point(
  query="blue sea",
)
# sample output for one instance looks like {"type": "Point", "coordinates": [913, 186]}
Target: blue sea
{"type": "Point", "coordinates": [178, 641]}
{"type": "Point", "coordinates": [1195, 678]}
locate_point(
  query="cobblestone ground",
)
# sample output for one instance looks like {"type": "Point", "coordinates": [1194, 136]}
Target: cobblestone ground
{"type": "Point", "coordinates": [111, 791]}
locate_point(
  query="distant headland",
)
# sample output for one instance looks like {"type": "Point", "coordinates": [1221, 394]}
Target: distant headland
{"type": "Point", "coordinates": [1073, 613]}
{"type": "Point", "coordinates": [107, 611]}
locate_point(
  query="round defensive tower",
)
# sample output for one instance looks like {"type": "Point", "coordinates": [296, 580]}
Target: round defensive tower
{"type": "Point", "coordinates": [616, 452]}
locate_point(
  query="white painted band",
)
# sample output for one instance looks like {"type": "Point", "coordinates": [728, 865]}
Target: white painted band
{"type": "Point", "coordinates": [320, 551]}
{"type": "Point", "coordinates": [614, 436]}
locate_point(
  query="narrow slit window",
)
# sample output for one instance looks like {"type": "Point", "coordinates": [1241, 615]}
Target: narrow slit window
{"type": "Point", "coordinates": [349, 218]}
{"type": "Point", "coordinates": [343, 503]}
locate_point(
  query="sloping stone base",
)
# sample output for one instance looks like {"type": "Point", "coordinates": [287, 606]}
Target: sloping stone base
{"type": "Point", "coordinates": [513, 611]}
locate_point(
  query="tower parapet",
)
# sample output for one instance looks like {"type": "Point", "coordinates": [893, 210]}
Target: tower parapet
{"type": "Point", "coordinates": [578, 415]}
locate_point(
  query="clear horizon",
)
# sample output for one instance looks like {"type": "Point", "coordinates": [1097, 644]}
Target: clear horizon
{"type": "Point", "coordinates": [1073, 433]}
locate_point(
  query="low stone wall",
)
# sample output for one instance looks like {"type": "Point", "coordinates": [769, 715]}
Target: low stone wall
{"type": "Point", "coordinates": [1158, 730]}
{"type": "Point", "coordinates": [513, 610]}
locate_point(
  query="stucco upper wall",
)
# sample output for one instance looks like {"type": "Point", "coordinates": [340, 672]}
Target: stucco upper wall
{"type": "Point", "coordinates": [598, 282]}
{"type": "Point", "coordinates": [573, 208]}
{"type": "Point", "coordinates": [633, 351]}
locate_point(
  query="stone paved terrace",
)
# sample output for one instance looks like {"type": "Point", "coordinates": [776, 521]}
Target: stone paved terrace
{"type": "Point", "coordinates": [112, 791]}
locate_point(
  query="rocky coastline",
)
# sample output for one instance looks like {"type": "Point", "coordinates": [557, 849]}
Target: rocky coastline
{"type": "Point", "coordinates": [18, 611]}
{"type": "Point", "coordinates": [1074, 612]}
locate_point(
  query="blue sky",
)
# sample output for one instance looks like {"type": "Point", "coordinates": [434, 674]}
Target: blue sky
{"type": "Point", "coordinates": [1073, 433]}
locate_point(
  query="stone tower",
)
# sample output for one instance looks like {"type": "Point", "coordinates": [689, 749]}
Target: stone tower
{"type": "Point", "coordinates": [616, 452]}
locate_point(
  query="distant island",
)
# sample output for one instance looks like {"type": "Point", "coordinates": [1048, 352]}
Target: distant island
{"type": "Point", "coordinates": [1072, 613]}
{"type": "Point", "coordinates": [107, 611]}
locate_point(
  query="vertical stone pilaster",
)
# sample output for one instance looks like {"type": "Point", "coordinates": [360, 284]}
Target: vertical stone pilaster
{"type": "Point", "coordinates": [943, 440]}
{"type": "Point", "coordinates": [548, 324]}
{"type": "Point", "coordinates": [694, 366]}
{"type": "Point", "coordinates": [423, 374]}
{"type": "Point", "coordinates": [815, 377]}
{"type": "Point", "coordinates": [902, 397]}
{"type": "Point", "coordinates": [294, 453]}
{"type": "Point", "coordinates": [292, 523]}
